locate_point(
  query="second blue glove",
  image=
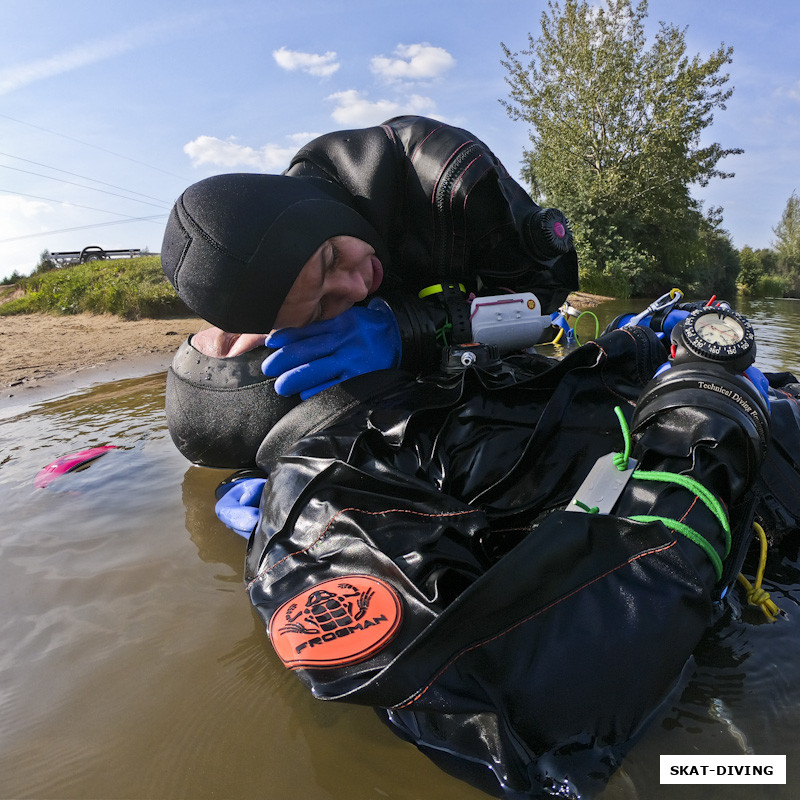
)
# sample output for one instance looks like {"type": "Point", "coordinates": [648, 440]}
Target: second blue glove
{"type": "Point", "coordinates": [322, 354]}
{"type": "Point", "coordinates": [238, 506]}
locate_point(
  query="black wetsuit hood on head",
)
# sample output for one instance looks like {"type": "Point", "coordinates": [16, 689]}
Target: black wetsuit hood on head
{"type": "Point", "coordinates": [234, 244]}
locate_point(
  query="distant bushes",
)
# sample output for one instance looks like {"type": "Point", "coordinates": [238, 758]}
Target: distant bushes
{"type": "Point", "coordinates": [130, 288]}
{"type": "Point", "coordinates": [775, 286]}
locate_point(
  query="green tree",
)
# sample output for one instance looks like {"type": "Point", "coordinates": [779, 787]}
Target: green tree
{"type": "Point", "coordinates": [717, 263]}
{"type": "Point", "coordinates": [14, 277]}
{"type": "Point", "coordinates": [787, 238]}
{"type": "Point", "coordinates": [751, 270]}
{"type": "Point", "coordinates": [768, 259]}
{"type": "Point", "coordinates": [615, 131]}
{"type": "Point", "coordinates": [45, 264]}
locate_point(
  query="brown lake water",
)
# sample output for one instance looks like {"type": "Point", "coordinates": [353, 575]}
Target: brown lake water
{"type": "Point", "coordinates": [132, 666]}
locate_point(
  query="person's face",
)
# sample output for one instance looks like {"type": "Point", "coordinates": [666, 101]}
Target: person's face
{"type": "Point", "coordinates": [342, 272]}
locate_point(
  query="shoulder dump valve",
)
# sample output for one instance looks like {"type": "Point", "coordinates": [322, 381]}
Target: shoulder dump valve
{"type": "Point", "coordinates": [549, 233]}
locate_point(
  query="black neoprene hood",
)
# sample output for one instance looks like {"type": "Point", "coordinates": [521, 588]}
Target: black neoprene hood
{"type": "Point", "coordinates": [234, 244]}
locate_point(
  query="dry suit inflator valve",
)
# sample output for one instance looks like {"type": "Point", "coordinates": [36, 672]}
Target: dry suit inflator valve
{"type": "Point", "coordinates": [549, 234]}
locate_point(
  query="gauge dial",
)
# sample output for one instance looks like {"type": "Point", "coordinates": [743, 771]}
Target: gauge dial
{"type": "Point", "coordinates": [719, 334]}
{"type": "Point", "coordinates": [718, 329]}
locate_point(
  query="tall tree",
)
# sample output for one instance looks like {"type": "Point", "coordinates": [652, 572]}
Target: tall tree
{"type": "Point", "coordinates": [751, 269]}
{"type": "Point", "coordinates": [719, 264]}
{"type": "Point", "coordinates": [787, 237]}
{"type": "Point", "coordinates": [615, 129]}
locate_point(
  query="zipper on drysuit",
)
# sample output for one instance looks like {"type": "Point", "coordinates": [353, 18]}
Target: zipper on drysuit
{"type": "Point", "coordinates": [442, 206]}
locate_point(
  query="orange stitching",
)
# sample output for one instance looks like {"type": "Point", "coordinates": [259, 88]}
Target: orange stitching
{"type": "Point", "coordinates": [416, 696]}
{"type": "Point", "coordinates": [688, 510]}
{"type": "Point", "coordinates": [324, 533]}
{"type": "Point", "coordinates": [610, 389]}
{"type": "Point", "coordinates": [790, 396]}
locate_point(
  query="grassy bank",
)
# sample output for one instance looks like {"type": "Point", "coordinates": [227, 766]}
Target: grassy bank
{"type": "Point", "coordinates": [132, 288]}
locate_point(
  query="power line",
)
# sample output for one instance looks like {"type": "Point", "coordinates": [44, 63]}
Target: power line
{"type": "Point", "coordinates": [67, 203]}
{"type": "Point", "coordinates": [94, 146]}
{"type": "Point", "coordinates": [160, 204]}
{"type": "Point", "coordinates": [84, 227]}
{"type": "Point", "coordinates": [84, 177]}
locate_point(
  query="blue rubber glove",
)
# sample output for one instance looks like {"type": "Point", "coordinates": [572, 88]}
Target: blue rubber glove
{"type": "Point", "coordinates": [558, 319]}
{"type": "Point", "coordinates": [238, 507]}
{"type": "Point", "coordinates": [322, 354]}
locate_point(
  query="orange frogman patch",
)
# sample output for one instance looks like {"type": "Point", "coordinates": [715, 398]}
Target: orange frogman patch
{"type": "Point", "coordinates": [337, 622]}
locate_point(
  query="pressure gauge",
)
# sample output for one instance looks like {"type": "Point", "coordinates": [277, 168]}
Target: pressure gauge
{"type": "Point", "coordinates": [715, 334]}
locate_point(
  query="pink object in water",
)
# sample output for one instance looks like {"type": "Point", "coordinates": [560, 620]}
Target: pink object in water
{"type": "Point", "coordinates": [69, 463]}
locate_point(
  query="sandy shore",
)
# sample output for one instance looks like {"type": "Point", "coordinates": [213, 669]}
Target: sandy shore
{"type": "Point", "coordinates": [38, 349]}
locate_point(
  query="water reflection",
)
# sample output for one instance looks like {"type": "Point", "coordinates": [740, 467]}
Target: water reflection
{"type": "Point", "coordinates": [776, 323]}
{"type": "Point", "coordinates": [197, 495]}
{"type": "Point", "coordinates": [131, 664]}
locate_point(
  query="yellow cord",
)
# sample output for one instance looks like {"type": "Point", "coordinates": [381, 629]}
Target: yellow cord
{"type": "Point", "coordinates": [558, 336]}
{"type": "Point", "coordinates": [756, 596]}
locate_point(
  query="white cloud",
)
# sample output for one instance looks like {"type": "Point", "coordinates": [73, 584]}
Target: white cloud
{"type": "Point", "coordinates": [353, 108]}
{"type": "Point", "coordinates": [228, 153]}
{"type": "Point", "coordinates": [20, 75]}
{"type": "Point", "coordinates": [302, 138]}
{"type": "Point", "coordinates": [413, 62]}
{"type": "Point", "coordinates": [19, 207]}
{"type": "Point", "coordinates": [90, 52]}
{"type": "Point", "coordinates": [322, 65]}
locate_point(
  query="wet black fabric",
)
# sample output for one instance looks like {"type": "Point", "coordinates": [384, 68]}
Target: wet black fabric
{"type": "Point", "coordinates": [778, 488]}
{"type": "Point", "coordinates": [534, 643]}
{"type": "Point", "coordinates": [434, 202]}
{"type": "Point", "coordinates": [218, 409]}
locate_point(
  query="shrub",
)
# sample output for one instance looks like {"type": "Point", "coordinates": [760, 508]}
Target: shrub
{"type": "Point", "coordinates": [770, 286]}
{"type": "Point", "coordinates": [130, 288]}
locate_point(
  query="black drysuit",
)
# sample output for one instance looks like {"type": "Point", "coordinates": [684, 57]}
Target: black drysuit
{"type": "Point", "coordinates": [414, 552]}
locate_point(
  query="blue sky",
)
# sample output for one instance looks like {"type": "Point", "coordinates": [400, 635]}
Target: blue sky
{"type": "Point", "coordinates": [109, 110]}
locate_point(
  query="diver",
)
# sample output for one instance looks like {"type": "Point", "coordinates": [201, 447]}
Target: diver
{"type": "Point", "coordinates": [510, 559]}
{"type": "Point", "coordinates": [361, 256]}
